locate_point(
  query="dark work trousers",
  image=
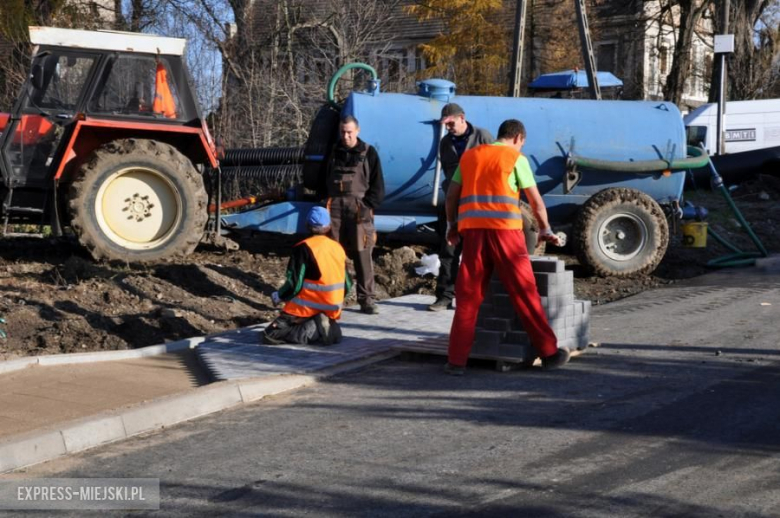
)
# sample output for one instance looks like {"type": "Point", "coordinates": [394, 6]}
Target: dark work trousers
{"type": "Point", "coordinates": [298, 330]}
{"type": "Point", "coordinates": [449, 257]}
{"type": "Point", "coordinates": [502, 251]}
{"type": "Point", "coordinates": [352, 225]}
{"type": "Point", "coordinates": [364, 273]}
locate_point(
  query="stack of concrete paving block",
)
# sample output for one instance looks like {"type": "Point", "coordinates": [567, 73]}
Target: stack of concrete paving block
{"type": "Point", "coordinates": [500, 332]}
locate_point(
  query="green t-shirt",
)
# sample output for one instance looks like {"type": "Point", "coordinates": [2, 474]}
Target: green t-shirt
{"type": "Point", "coordinates": [520, 177]}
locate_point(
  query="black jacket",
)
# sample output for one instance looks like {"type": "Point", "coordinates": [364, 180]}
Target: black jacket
{"type": "Point", "coordinates": [341, 155]}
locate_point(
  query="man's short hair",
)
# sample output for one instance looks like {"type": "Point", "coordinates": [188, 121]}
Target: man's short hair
{"type": "Point", "coordinates": [349, 118]}
{"type": "Point", "coordinates": [319, 230]}
{"type": "Point", "coordinates": [451, 110]}
{"type": "Point", "coordinates": [511, 128]}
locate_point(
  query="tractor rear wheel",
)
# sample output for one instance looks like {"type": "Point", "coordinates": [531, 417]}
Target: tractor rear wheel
{"type": "Point", "coordinates": [137, 201]}
{"type": "Point", "coordinates": [621, 233]}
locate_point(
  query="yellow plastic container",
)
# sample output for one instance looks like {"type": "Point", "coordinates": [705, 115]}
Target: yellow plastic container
{"type": "Point", "coordinates": [695, 234]}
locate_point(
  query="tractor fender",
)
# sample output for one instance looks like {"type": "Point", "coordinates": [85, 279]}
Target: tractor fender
{"type": "Point", "coordinates": [91, 134]}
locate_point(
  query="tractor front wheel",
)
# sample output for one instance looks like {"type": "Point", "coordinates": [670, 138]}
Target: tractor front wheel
{"type": "Point", "coordinates": [138, 201]}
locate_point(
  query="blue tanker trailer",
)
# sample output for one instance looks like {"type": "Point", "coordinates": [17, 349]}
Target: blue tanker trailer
{"type": "Point", "coordinates": [611, 172]}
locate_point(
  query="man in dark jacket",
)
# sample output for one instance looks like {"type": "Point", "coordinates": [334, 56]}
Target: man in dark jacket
{"type": "Point", "coordinates": [461, 135]}
{"type": "Point", "coordinates": [355, 187]}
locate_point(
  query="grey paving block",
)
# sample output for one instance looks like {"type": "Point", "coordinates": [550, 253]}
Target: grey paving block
{"type": "Point", "coordinates": [547, 264]}
{"type": "Point", "coordinates": [507, 311]}
{"type": "Point", "coordinates": [497, 324]}
{"type": "Point", "coordinates": [501, 299]}
{"type": "Point", "coordinates": [484, 348]}
{"type": "Point", "coordinates": [489, 337]}
{"type": "Point", "coordinates": [517, 351]}
{"type": "Point", "coordinates": [517, 337]}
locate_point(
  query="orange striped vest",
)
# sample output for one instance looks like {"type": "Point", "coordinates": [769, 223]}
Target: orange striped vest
{"type": "Point", "coordinates": [486, 200]}
{"type": "Point", "coordinates": [327, 294]}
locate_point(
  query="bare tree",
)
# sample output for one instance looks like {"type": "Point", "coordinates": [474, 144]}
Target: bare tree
{"type": "Point", "coordinates": [691, 13]}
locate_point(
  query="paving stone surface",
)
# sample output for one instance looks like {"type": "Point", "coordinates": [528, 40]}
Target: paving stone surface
{"type": "Point", "coordinates": [239, 354]}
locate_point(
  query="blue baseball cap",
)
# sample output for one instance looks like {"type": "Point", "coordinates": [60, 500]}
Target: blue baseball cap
{"type": "Point", "coordinates": [318, 217]}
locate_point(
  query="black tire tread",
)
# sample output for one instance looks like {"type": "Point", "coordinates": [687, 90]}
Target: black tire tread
{"type": "Point", "coordinates": [121, 151]}
{"type": "Point", "coordinates": [613, 197]}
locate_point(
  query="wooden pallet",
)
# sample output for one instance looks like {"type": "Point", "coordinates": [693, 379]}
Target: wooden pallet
{"type": "Point", "coordinates": [410, 351]}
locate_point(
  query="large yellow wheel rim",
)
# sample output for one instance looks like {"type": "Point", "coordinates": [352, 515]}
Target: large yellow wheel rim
{"type": "Point", "coordinates": [138, 208]}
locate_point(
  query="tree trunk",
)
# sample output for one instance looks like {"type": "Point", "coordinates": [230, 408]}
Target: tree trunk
{"type": "Point", "coordinates": [690, 14]}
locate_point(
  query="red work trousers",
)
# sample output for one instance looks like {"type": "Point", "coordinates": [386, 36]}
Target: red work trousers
{"type": "Point", "coordinates": [503, 250]}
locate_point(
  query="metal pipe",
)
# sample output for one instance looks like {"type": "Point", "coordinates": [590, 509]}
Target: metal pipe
{"type": "Point", "coordinates": [340, 72]}
{"type": "Point", "coordinates": [437, 174]}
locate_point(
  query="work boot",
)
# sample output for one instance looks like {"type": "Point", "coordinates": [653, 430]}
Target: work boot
{"type": "Point", "coordinates": [369, 308]}
{"type": "Point", "coordinates": [441, 304]}
{"type": "Point", "coordinates": [454, 370]}
{"type": "Point", "coordinates": [267, 340]}
{"type": "Point", "coordinates": [557, 360]}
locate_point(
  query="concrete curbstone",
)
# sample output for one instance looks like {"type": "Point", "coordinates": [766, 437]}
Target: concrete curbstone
{"type": "Point", "coordinates": [93, 432]}
{"type": "Point", "coordinates": [32, 449]}
{"type": "Point", "coordinates": [17, 365]}
{"type": "Point", "coordinates": [106, 356]}
{"type": "Point", "coordinates": [178, 408]}
{"type": "Point", "coordinates": [254, 389]}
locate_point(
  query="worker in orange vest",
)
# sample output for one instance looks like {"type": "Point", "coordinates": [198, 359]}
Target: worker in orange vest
{"type": "Point", "coordinates": [483, 209]}
{"type": "Point", "coordinates": [317, 282]}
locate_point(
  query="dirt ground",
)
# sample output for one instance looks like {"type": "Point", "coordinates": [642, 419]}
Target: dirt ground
{"type": "Point", "coordinates": [55, 299]}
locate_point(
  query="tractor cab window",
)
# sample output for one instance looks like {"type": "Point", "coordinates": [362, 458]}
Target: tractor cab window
{"type": "Point", "coordinates": [137, 86]}
{"type": "Point", "coordinates": [61, 83]}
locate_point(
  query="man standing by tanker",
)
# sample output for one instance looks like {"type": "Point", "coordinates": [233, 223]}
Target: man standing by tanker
{"type": "Point", "coordinates": [355, 187]}
{"type": "Point", "coordinates": [461, 135]}
{"type": "Point", "coordinates": [483, 209]}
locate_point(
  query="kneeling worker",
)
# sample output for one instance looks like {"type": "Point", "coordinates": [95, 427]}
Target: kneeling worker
{"type": "Point", "coordinates": [317, 281]}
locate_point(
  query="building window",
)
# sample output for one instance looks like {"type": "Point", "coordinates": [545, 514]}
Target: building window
{"type": "Point", "coordinates": [606, 57]}
{"type": "Point", "coordinates": [663, 54]}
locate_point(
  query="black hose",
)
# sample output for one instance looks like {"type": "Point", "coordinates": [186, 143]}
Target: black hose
{"type": "Point", "coordinates": [289, 174]}
{"type": "Point", "coordinates": [263, 156]}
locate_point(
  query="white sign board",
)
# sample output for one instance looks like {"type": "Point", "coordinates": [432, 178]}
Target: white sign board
{"type": "Point", "coordinates": [724, 43]}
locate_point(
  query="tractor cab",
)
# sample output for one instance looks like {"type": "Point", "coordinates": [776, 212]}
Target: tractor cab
{"type": "Point", "coordinates": [87, 91]}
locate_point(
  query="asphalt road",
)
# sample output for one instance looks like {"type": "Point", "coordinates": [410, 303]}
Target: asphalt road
{"type": "Point", "coordinates": [676, 414]}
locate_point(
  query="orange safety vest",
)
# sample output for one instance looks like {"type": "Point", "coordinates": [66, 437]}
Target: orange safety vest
{"type": "Point", "coordinates": [327, 294]}
{"type": "Point", "coordinates": [163, 98]}
{"type": "Point", "coordinates": [486, 200]}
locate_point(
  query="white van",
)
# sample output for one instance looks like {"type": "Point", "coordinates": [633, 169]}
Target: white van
{"type": "Point", "coordinates": [752, 135]}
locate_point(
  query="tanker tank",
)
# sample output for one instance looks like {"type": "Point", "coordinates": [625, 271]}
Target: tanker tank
{"type": "Point", "coordinates": [405, 129]}
{"type": "Point", "coordinates": [611, 172]}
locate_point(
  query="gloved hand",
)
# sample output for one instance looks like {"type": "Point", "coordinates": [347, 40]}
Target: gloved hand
{"type": "Point", "coordinates": [546, 235]}
{"type": "Point", "coordinates": [275, 298]}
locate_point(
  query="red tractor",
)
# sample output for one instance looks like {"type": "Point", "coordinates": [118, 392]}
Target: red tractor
{"type": "Point", "coordinates": [107, 137]}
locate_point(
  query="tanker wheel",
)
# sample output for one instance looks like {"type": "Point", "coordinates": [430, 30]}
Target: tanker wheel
{"type": "Point", "coordinates": [531, 231]}
{"type": "Point", "coordinates": [620, 233]}
{"type": "Point", "coordinates": [138, 201]}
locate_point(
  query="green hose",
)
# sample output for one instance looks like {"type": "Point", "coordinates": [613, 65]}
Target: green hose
{"type": "Point", "coordinates": [738, 257]}
{"type": "Point", "coordinates": [696, 158]}
{"type": "Point", "coordinates": [340, 72]}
